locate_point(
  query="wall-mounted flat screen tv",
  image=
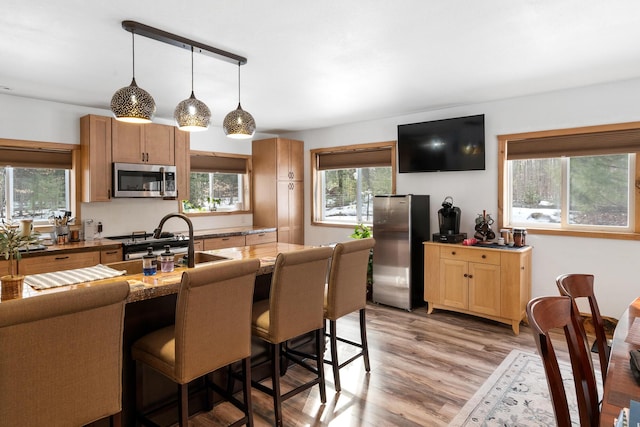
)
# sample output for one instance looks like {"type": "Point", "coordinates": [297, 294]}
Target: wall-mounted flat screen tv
{"type": "Point", "coordinates": [442, 145]}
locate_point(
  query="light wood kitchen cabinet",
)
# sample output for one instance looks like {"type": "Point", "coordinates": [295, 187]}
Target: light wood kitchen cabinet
{"type": "Point", "coordinates": [259, 238]}
{"type": "Point", "coordinates": [278, 187]}
{"type": "Point", "coordinates": [95, 158]}
{"type": "Point", "coordinates": [57, 262]}
{"type": "Point", "coordinates": [493, 283]}
{"type": "Point", "coordinates": [223, 242]}
{"type": "Point", "coordinates": [110, 255]}
{"type": "Point", "coordinates": [150, 143]}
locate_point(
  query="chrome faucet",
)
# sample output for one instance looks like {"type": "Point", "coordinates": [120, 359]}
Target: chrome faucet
{"type": "Point", "coordinates": [191, 258]}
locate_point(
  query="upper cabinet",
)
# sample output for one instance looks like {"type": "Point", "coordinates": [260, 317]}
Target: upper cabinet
{"type": "Point", "coordinates": [289, 159]}
{"type": "Point", "coordinates": [95, 155]}
{"type": "Point", "coordinates": [148, 143]}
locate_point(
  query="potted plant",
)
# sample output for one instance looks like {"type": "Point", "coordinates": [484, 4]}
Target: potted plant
{"type": "Point", "coordinates": [12, 239]}
{"type": "Point", "coordinates": [362, 231]}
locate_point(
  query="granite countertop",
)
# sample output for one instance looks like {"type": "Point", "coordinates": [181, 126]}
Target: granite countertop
{"type": "Point", "coordinates": [147, 287]}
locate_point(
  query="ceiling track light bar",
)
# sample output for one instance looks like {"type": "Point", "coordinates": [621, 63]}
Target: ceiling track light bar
{"type": "Point", "coordinates": [183, 42]}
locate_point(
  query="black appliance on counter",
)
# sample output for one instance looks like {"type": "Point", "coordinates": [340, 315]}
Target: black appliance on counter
{"type": "Point", "coordinates": [449, 222]}
{"type": "Point", "coordinates": [134, 245]}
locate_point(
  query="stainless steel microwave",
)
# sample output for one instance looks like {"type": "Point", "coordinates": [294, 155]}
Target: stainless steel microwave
{"type": "Point", "coordinates": [139, 180]}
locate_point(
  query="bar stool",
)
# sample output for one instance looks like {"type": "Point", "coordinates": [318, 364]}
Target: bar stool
{"type": "Point", "coordinates": [212, 330]}
{"type": "Point", "coordinates": [61, 357]}
{"type": "Point", "coordinates": [294, 308]}
{"type": "Point", "coordinates": [346, 292]}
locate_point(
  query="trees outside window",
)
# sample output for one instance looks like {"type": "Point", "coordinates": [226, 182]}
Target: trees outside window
{"type": "Point", "coordinates": [579, 181]}
{"type": "Point", "coordinates": [346, 178]}
{"type": "Point", "coordinates": [36, 193]}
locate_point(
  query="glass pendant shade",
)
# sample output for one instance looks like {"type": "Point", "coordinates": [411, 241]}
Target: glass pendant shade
{"type": "Point", "coordinates": [192, 115]}
{"type": "Point", "coordinates": [133, 104]}
{"type": "Point", "coordinates": [239, 124]}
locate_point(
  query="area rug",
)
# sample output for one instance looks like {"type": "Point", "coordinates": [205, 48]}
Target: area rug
{"type": "Point", "coordinates": [516, 394]}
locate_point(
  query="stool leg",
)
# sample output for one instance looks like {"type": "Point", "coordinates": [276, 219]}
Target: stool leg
{"type": "Point", "coordinates": [334, 354]}
{"type": "Point", "coordinates": [275, 380]}
{"type": "Point", "coordinates": [363, 339]}
{"type": "Point", "coordinates": [183, 404]}
{"type": "Point", "coordinates": [320, 363]}
{"type": "Point", "coordinates": [246, 390]}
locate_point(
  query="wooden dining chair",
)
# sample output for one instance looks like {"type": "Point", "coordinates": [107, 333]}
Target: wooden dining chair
{"type": "Point", "coordinates": [559, 313]}
{"type": "Point", "coordinates": [61, 357]}
{"type": "Point", "coordinates": [581, 286]}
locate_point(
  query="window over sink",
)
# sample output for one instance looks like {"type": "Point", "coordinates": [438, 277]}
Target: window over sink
{"type": "Point", "coordinates": [218, 183]}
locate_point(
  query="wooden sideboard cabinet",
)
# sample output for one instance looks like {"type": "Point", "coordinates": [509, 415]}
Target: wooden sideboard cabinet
{"type": "Point", "coordinates": [490, 282]}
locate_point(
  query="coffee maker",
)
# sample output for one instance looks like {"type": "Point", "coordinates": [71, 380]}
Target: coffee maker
{"type": "Point", "coordinates": [449, 222]}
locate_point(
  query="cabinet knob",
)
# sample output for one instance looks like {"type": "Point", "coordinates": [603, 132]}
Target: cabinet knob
{"type": "Point", "coordinates": [453, 252]}
{"type": "Point", "coordinates": [466, 275]}
{"type": "Point", "coordinates": [484, 256]}
{"type": "Point", "coordinates": [471, 276]}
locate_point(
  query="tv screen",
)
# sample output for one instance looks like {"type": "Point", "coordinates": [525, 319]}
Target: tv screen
{"type": "Point", "coordinates": [442, 145]}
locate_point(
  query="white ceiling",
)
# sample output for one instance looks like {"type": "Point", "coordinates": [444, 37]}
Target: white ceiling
{"type": "Point", "coordinates": [318, 63]}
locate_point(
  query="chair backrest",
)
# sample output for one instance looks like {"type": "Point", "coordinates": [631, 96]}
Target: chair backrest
{"type": "Point", "coordinates": [213, 317]}
{"type": "Point", "coordinates": [347, 286]}
{"type": "Point", "coordinates": [296, 298]}
{"type": "Point", "coordinates": [61, 356]}
{"type": "Point", "coordinates": [581, 286]}
{"type": "Point", "coordinates": [559, 312]}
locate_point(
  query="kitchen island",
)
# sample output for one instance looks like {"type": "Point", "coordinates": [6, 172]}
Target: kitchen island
{"type": "Point", "coordinates": [151, 305]}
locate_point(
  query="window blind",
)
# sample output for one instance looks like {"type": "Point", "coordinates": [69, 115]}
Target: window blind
{"type": "Point", "coordinates": [366, 158]}
{"type": "Point", "coordinates": [35, 158]}
{"type": "Point", "coordinates": [201, 163]}
{"type": "Point", "coordinates": [585, 144]}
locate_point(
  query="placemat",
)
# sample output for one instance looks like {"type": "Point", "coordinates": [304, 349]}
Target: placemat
{"type": "Point", "coordinates": [70, 277]}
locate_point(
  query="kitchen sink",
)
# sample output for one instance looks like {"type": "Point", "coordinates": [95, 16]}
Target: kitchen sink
{"type": "Point", "coordinates": [134, 266]}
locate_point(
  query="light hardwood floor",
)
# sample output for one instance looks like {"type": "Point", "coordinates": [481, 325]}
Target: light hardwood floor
{"type": "Point", "coordinates": [424, 368]}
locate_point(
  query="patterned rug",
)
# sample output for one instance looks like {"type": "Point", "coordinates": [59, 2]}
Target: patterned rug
{"type": "Point", "coordinates": [516, 394]}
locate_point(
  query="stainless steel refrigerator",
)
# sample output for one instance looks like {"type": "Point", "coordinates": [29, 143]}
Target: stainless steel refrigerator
{"type": "Point", "coordinates": [400, 226]}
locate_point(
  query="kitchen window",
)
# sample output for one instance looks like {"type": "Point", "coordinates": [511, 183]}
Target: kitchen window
{"type": "Point", "coordinates": [35, 180]}
{"type": "Point", "coordinates": [345, 180]}
{"type": "Point", "coordinates": [572, 181]}
{"type": "Point", "coordinates": [218, 183]}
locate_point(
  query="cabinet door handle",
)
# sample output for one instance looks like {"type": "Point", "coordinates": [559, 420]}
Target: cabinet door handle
{"type": "Point", "coordinates": [111, 252]}
{"type": "Point", "coordinates": [61, 257]}
{"type": "Point", "coordinates": [142, 154]}
{"type": "Point", "coordinates": [261, 235]}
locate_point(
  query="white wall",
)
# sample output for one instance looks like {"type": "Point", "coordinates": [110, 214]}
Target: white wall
{"type": "Point", "coordinates": [612, 261]}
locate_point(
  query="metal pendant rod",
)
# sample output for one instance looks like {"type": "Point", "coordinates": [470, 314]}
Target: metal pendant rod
{"type": "Point", "coordinates": [183, 42]}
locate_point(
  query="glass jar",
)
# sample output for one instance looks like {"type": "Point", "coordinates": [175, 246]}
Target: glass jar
{"type": "Point", "coordinates": [149, 263]}
{"type": "Point", "coordinates": [166, 260]}
{"type": "Point", "coordinates": [519, 237]}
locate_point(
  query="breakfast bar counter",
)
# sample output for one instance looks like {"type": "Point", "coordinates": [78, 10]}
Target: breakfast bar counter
{"type": "Point", "coordinates": [148, 287]}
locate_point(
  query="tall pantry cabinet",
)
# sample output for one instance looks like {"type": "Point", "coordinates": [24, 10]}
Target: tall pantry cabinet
{"type": "Point", "coordinates": [278, 187]}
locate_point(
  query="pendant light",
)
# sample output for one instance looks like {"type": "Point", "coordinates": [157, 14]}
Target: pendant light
{"type": "Point", "coordinates": [192, 115]}
{"type": "Point", "coordinates": [239, 124]}
{"type": "Point", "coordinates": [133, 104]}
